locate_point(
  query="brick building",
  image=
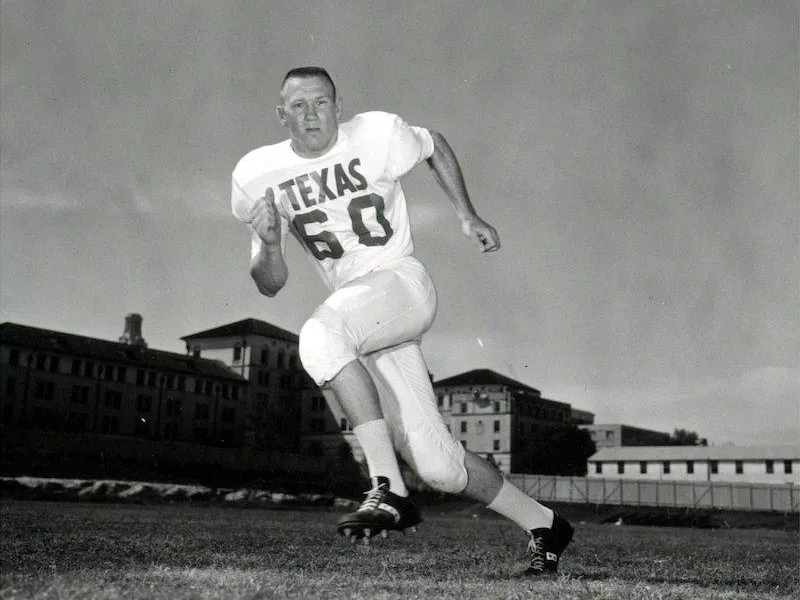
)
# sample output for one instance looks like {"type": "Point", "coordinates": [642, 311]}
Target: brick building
{"type": "Point", "coordinates": [494, 415]}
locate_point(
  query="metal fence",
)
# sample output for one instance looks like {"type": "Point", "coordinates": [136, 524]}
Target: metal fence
{"type": "Point", "coordinates": [639, 492]}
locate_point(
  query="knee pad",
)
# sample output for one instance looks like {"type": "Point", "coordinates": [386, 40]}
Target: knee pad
{"type": "Point", "coordinates": [442, 467]}
{"type": "Point", "coordinates": [324, 347]}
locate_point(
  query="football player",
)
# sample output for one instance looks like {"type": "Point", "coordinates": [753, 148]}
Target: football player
{"type": "Point", "coordinates": [335, 185]}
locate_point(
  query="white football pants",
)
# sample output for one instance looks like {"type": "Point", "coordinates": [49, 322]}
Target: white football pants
{"type": "Point", "coordinates": [379, 319]}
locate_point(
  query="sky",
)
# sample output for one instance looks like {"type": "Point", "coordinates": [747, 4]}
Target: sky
{"type": "Point", "coordinates": [639, 161]}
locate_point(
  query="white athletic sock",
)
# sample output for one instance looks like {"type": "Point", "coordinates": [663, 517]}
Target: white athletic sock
{"type": "Point", "coordinates": [376, 441]}
{"type": "Point", "coordinates": [526, 512]}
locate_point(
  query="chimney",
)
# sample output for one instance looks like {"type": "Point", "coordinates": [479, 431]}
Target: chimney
{"type": "Point", "coordinates": [133, 331]}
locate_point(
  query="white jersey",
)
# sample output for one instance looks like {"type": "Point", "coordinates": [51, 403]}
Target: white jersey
{"type": "Point", "coordinates": [346, 208]}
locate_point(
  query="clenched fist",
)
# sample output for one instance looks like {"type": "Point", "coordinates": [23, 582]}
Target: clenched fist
{"type": "Point", "coordinates": [479, 230]}
{"type": "Point", "coordinates": [264, 219]}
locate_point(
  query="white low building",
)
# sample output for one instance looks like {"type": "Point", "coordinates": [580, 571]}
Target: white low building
{"type": "Point", "coordinates": [753, 464]}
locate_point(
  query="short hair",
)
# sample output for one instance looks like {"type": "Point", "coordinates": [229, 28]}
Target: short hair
{"type": "Point", "coordinates": [310, 72]}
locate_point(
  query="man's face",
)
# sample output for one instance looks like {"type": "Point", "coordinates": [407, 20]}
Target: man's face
{"type": "Point", "coordinates": [311, 114]}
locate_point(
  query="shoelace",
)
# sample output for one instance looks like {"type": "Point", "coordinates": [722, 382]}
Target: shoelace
{"type": "Point", "coordinates": [374, 498]}
{"type": "Point", "coordinates": [536, 548]}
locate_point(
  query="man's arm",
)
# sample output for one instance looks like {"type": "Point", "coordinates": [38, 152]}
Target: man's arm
{"type": "Point", "coordinates": [447, 171]}
{"type": "Point", "coordinates": [268, 267]}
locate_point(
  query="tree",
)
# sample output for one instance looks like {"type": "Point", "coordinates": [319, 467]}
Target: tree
{"type": "Point", "coordinates": [557, 450]}
{"type": "Point", "coordinates": [684, 437]}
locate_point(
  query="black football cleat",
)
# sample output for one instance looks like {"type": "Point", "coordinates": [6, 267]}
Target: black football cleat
{"type": "Point", "coordinates": [380, 512]}
{"type": "Point", "coordinates": [546, 546]}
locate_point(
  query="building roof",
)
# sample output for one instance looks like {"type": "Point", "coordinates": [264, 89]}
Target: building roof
{"type": "Point", "coordinates": [483, 377]}
{"type": "Point", "coordinates": [601, 426]}
{"type": "Point", "coordinates": [45, 340]}
{"type": "Point", "coordinates": [245, 327]}
{"type": "Point", "coordinates": [658, 453]}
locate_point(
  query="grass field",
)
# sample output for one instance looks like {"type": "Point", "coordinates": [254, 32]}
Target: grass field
{"type": "Point", "coordinates": [88, 550]}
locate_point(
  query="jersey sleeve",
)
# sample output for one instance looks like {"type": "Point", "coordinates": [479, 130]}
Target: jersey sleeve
{"type": "Point", "coordinates": [241, 203]}
{"type": "Point", "coordinates": [408, 146]}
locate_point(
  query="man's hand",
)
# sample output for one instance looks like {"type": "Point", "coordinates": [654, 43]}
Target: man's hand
{"type": "Point", "coordinates": [479, 230]}
{"type": "Point", "coordinates": [265, 221]}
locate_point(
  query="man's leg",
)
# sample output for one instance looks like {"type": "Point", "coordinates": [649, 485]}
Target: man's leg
{"type": "Point", "coordinates": [486, 484]}
{"type": "Point", "coordinates": [358, 397]}
{"type": "Point", "coordinates": [409, 403]}
{"type": "Point", "coordinates": [377, 310]}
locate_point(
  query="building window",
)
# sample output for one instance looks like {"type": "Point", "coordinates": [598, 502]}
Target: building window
{"type": "Point", "coordinates": [609, 435]}
{"type": "Point", "coordinates": [108, 372]}
{"type": "Point", "coordinates": [151, 379]}
{"type": "Point", "coordinates": [643, 467]}
{"type": "Point", "coordinates": [439, 401]}
{"type": "Point", "coordinates": [11, 386]}
{"type": "Point", "coordinates": [317, 425]}
{"type": "Point", "coordinates": [200, 434]}
{"type": "Point", "coordinates": [343, 424]}
{"type": "Point", "coordinates": [714, 466]}
{"type": "Point", "coordinates": [463, 427]}
{"type": "Point", "coordinates": [121, 373]}
{"type": "Point", "coordinates": [281, 357]}
{"type": "Point", "coordinates": [113, 399]}
{"type": "Point", "coordinates": [770, 465]}
{"type": "Point", "coordinates": [690, 467]}
{"type": "Point", "coordinates": [666, 467]}
{"type": "Point", "coordinates": [109, 424]}
{"type": "Point", "coordinates": [264, 355]}
{"type": "Point", "coordinates": [173, 407]}
{"type": "Point", "coordinates": [139, 376]}
{"type": "Point", "coordinates": [209, 388]}
{"type": "Point", "coordinates": [787, 466]}
{"type": "Point", "coordinates": [40, 361]}
{"type": "Point", "coordinates": [598, 468]}
{"type": "Point", "coordinates": [170, 382]}
{"type": "Point", "coordinates": [170, 431]}
{"type": "Point", "coordinates": [496, 445]}
{"type": "Point", "coordinates": [13, 357]}
{"type": "Point", "coordinates": [198, 386]}
{"type": "Point", "coordinates": [739, 467]}
{"type": "Point", "coordinates": [463, 407]}
{"type": "Point", "coordinates": [77, 421]}
{"type": "Point", "coordinates": [496, 407]}
{"type": "Point", "coordinates": [237, 353]}
{"type": "Point", "coordinates": [620, 467]}
{"type": "Point", "coordinates": [228, 414]}
{"type": "Point", "coordinates": [201, 410]}
{"type": "Point", "coordinates": [76, 366]}
{"type": "Point", "coordinates": [144, 403]}
{"type": "Point", "coordinates": [195, 354]}
{"type": "Point", "coordinates": [79, 394]}
{"type": "Point", "coordinates": [88, 369]}
{"type": "Point", "coordinates": [496, 426]}
{"type": "Point", "coordinates": [44, 390]}
{"type": "Point", "coordinates": [181, 382]}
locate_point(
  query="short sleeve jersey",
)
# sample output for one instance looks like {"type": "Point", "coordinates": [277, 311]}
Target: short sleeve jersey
{"type": "Point", "coordinates": [346, 208]}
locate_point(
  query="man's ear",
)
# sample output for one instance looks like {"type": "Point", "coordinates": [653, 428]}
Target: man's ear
{"type": "Point", "coordinates": [338, 105]}
{"type": "Point", "coordinates": [281, 114]}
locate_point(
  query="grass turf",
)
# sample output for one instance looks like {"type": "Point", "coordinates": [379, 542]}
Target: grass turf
{"type": "Point", "coordinates": [84, 550]}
